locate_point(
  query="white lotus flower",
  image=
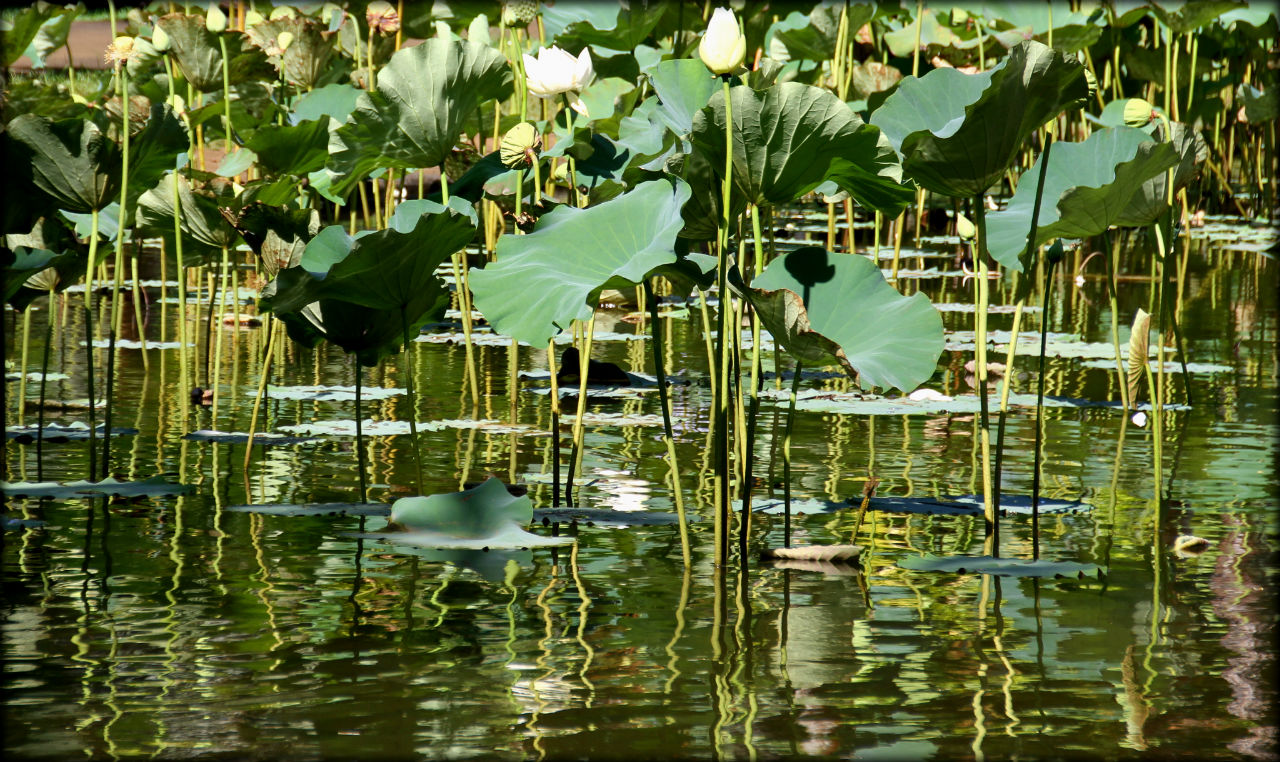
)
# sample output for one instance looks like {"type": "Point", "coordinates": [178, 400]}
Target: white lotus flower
{"type": "Point", "coordinates": [556, 72]}
{"type": "Point", "coordinates": [723, 47]}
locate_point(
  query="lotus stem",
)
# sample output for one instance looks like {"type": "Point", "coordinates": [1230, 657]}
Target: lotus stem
{"type": "Point", "coordinates": [720, 394]}
{"type": "Point", "coordinates": [22, 369]}
{"type": "Point", "coordinates": [660, 371]}
{"type": "Point", "coordinates": [413, 398]}
{"type": "Point", "coordinates": [44, 380]}
{"type": "Point", "coordinates": [980, 312]}
{"type": "Point", "coordinates": [226, 93]}
{"type": "Point", "coordinates": [1039, 438]}
{"type": "Point", "coordinates": [262, 390]}
{"type": "Point", "coordinates": [555, 425]}
{"type": "Point", "coordinates": [88, 337]}
{"type": "Point", "coordinates": [222, 306]}
{"type": "Point", "coordinates": [786, 457]}
{"type": "Point", "coordinates": [1110, 257]}
{"type": "Point", "coordinates": [575, 458]}
{"type": "Point", "coordinates": [748, 481]}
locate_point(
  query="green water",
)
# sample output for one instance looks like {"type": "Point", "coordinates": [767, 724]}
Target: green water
{"type": "Point", "coordinates": [174, 627]}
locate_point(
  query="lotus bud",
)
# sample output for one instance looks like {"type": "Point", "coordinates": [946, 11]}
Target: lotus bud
{"type": "Point", "coordinates": [284, 40]}
{"type": "Point", "coordinates": [520, 146]}
{"type": "Point", "coordinates": [160, 39]}
{"type": "Point", "coordinates": [1138, 112]}
{"type": "Point", "coordinates": [283, 12]}
{"type": "Point", "coordinates": [959, 17]}
{"type": "Point", "coordinates": [723, 47]}
{"type": "Point", "coordinates": [253, 18]}
{"type": "Point", "coordinates": [382, 16]}
{"type": "Point", "coordinates": [214, 19]}
{"type": "Point", "coordinates": [964, 228]}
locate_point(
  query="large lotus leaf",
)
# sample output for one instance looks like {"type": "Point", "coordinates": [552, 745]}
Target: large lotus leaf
{"type": "Point", "coordinates": [71, 160]}
{"type": "Point", "coordinates": [1259, 105]}
{"type": "Point", "coordinates": [308, 54]}
{"type": "Point", "coordinates": [683, 86]}
{"type": "Point", "coordinates": [53, 34]}
{"type": "Point", "coordinates": [811, 37]}
{"type": "Point", "coordinates": [291, 149]}
{"type": "Point", "coordinates": [873, 77]}
{"type": "Point", "coordinates": [932, 34]}
{"type": "Point", "coordinates": [425, 95]}
{"type": "Point", "coordinates": [1086, 188]}
{"type": "Point", "coordinates": [370, 334]}
{"type": "Point", "coordinates": [837, 309]}
{"type": "Point", "coordinates": [204, 230]}
{"type": "Point", "coordinates": [572, 25]}
{"type": "Point", "coordinates": [1150, 201]}
{"type": "Point", "coordinates": [1002, 567]}
{"type": "Point", "coordinates": [486, 516]}
{"type": "Point", "coordinates": [19, 29]}
{"type": "Point", "coordinates": [198, 52]}
{"type": "Point", "coordinates": [790, 138]}
{"type": "Point", "coordinates": [958, 133]}
{"type": "Point", "coordinates": [1194, 14]}
{"type": "Point", "coordinates": [27, 262]}
{"type": "Point", "coordinates": [542, 281]}
{"type": "Point", "coordinates": [336, 101]}
{"type": "Point", "coordinates": [278, 235]}
{"type": "Point", "coordinates": [387, 270]}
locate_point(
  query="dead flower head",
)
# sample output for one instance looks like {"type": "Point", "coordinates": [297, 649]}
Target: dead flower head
{"type": "Point", "coordinates": [119, 52]}
{"type": "Point", "coordinates": [382, 16]}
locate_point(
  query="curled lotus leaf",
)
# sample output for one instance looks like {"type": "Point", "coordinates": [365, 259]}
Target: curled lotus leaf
{"type": "Point", "coordinates": [958, 133]}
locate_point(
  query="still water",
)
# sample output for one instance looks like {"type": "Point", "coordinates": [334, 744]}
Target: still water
{"type": "Point", "coordinates": [177, 627]}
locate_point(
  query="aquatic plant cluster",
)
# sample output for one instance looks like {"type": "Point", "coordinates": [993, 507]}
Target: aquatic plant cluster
{"type": "Point", "coordinates": [361, 176]}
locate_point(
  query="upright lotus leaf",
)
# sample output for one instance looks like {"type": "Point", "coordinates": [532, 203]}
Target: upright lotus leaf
{"type": "Point", "coordinates": [542, 281]}
{"type": "Point", "coordinates": [425, 95]}
{"type": "Point", "coordinates": [277, 234]}
{"type": "Point", "coordinates": [933, 34]}
{"type": "Point", "coordinates": [53, 34]}
{"type": "Point", "coordinates": [71, 160]}
{"type": "Point", "coordinates": [575, 24]}
{"type": "Point", "coordinates": [199, 53]}
{"type": "Point", "coordinates": [291, 149]}
{"type": "Point", "coordinates": [369, 334]}
{"type": "Point", "coordinates": [1259, 105]}
{"type": "Point", "coordinates": [204, 230]}
{"type": "Point", "coordinates": [837, 309]}
{"type": "Point", "coordinates": [790, 138]}
{"type": "Point", "coordinates": [307, 56]}
{"type": "Point", "coordinates": [873, 77]}
{"type": "Point", "coordinates": [154, 151]}
{"type": "Point", "coordinates": [683, 86]}
{"type": "Point", "coordinates": [958, 133]}
{"type": "Point", "coordinates": [20, 291]}
{"type": "Point", "coordinates": [388, 269]}
{"type": "Point", "coordinates": [1086, 188]}
{"type": "Point", "coordinates": [19, 29]}
{"type": "Point", "coordinates": [814, 37]}
{"type": "Point", "coordinates": [335, 101]}
{"type": "Point", "coordinates": [485, 516]}
{"type": "Point", "coordinates": [1151, 200]}
{"type": "Point", "coordinates": [1192, 15]}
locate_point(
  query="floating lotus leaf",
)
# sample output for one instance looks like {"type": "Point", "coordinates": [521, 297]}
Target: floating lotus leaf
{"type": "Point", "coordinates": [314, 509]}
{"type": "Point", "coordinates": [1003, 567]}
{"type": "Point", "coordinates": [153, 487]}
{"type": "Point", "coordinates": [789, 139]}
{"type": "Point", "coordinates": [294, 149]}
{"type": "Point", "coordinates": [424, 97]}
{"type": "Point", "coordinates": [603, 517]}
{"type": "Point", "coordinates": [487, 516]}
{"type": "Point", "coordinates": [57, 433]}
{"type": "Point", "coordinates": [238, 437]}
{"type": "Point", "coordinates": [958, 133]}
{"type": "Point", "coordinates": [1087, 187]}
{"type": "Point", "coordinates": [542, 281]}
{"type": "Point", "coordinates": [328, 393]}
{"type": "Point", "coordinates": [845, 554]}
{"type": "Point", "coordinates": [832, 309]}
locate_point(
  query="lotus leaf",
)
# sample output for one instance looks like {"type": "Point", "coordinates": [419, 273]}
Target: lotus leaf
{"type": "Point", "coordinates": [542, 281]}
{"type": "Point", "coordinates": [57, 433]}
{"type": "Point", "coordinates": [683, 86]}
{"type": "Point", "coordinates": [790, 138]}
{"type": "Point", "coordinates": [20, 29]}
{"type": "Point", "coordinates": [1087, 187]}
{"type": "Point", "coordinates": [52, 33]}
{"type": "Point", "coordinates": [486, 516]}
{"type": "Point", "coordinates": [71, 160]}
{"type": "Point", "coordinates": [278, 235]}
{"type": "Point", "coordinates": [28, 262]}
{"type": "Point", "coordinates": [313, 509]}
{"type": "Point", "coordinates": [958, 133]}
{"type": "Point", "coordinates": [295, 149]}
{"type": "Point", "coordinates": [204, 231]}
{"type": "Point", "coordinates": [237, 437]}
{"type": "Point", "coordinates": [1151, 200]}
{"type": "Point", "coordinates": [334, 101]}
{"type": "Point", "coordinates": [307, 57]}
{"type": "Point", "coordinates": [573, 25]}
{"type": "Point", "coordinates": [425, 95]}
{"type": "Point", "coordinates": [830, 309]}
{"type": "Point", "coordinates": [1190, 16]}
{"type": "Point", "coordinates": [199, 54]}
{"type": "Point", "coordinates": [1003, 567]}
{"type": "Point", "coordinates": [155, 486]}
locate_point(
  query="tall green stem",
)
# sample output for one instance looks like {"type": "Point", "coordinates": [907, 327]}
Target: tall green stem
{"type": "Point", "coordinates": [980, 314]}
{"type": "Point", "coordinates": [661, 372]}
{"type": "Point", "coordinates": [1039, 439]}
{"type": "Point", "coordinates": [786, 457]}
{"type": "Point", "coordinates": [413, 399]}
{"type": "Point", "coordinates": [721, 393]}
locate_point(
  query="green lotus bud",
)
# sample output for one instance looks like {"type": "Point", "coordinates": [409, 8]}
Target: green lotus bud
{"type": "Point", "coordinates": [160, 39]}
{"type": "Point", "coordinates": [214, 19]}
{"type": "Point", "coordinates": [1138, 112]}
{"type": "Point", "coordinates": [252, 18]}
{"type": "Point", "coordinates": [520, 146]}
{"type": "Point", "coordinates": [964, 228]}
{"type": "Point", "coordinates": [284, 40]}
{"type": "Point", "coordinates": [959, 17]}
{"type": "Point", "coordinates": [283, 12]}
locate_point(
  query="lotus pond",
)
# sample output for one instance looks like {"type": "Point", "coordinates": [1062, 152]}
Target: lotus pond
{"type": "Point", "coordinates": [567, 380]}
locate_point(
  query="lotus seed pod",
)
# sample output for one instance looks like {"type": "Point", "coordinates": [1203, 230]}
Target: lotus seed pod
{"type": "Point", "coordinates": [1138, 112]}
{"type": "Point", "coordinates": [519, 12]}
{"type": "Point", "coordinates": [382, 16]}
{"type": "Point", "coordinates": [284, 40]}
{"type": "Point", "coordinates": [283, 12]}
{"type": "Point", "coordinates": [520, 145]}
{"type": "Point", "coordinates": [214, 19]}
{"type": "Point", "coordinates": [160, 39]}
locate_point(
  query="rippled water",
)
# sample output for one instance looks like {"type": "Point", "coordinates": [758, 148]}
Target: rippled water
{"type": "Point", "coordinates": [175, 627]}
